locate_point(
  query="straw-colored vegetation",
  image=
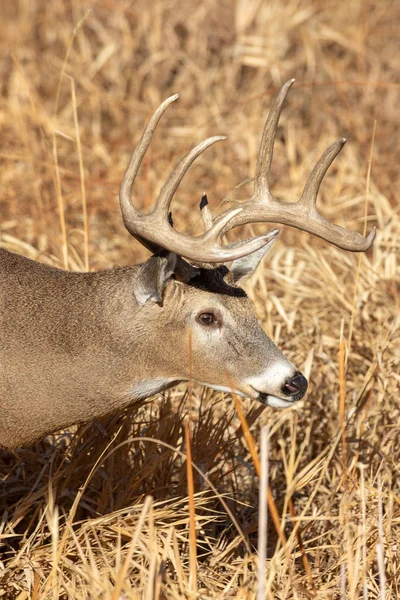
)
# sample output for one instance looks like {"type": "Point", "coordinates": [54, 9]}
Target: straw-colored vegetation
{"type": "Point", "coordinates": [105, 510]}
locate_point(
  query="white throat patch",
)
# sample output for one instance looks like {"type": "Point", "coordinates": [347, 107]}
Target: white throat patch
{"type": "Point", "coordinates": [144, 389]}
{"type": "Point", "coordinates": [223, 388]}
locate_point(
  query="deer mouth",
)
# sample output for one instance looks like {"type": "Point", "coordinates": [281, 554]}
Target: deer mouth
{"type": "Point", "coordinates": [276, 402]}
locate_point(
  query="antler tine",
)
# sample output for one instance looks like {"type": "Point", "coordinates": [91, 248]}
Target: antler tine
{"type": "Point", "coordinates": [167, 192]}
{"type": "Point", "coordinates": [235, 250]}
{"type": "Point", "coordinates": [205, 212]}
{"type": "Point", "coordinates": [340, 237]}
{"type": "Point", "coordinates": [263, 168]}
{"type": "Point", "coordinates": [311, 188]}
{"type": "Point", "coordinates": [125, 191]}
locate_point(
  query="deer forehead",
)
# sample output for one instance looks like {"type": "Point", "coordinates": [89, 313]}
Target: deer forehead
{"type": "Point", "coordinates": [202, 297]}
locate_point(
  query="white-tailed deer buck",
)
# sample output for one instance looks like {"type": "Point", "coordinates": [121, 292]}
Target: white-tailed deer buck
{"type": "Point", "coordinates": [77, 346]}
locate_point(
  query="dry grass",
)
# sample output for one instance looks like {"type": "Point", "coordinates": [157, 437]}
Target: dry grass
{"type": "Point", "coordinates": [103, 511]}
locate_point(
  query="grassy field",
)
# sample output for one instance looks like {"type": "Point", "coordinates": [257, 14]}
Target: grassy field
{"type": "Point", "coordinates": [104, 510]}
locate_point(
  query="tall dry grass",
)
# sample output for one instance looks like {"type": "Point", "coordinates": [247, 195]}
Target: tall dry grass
{"type": "Point", "coordinates": [103, 510]}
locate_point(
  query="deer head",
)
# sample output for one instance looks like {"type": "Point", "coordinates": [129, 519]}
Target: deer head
{"type": "Point", "coordinates": [229, 346]}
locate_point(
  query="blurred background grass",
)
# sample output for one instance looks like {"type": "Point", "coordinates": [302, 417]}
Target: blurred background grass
{"type": "Point", "coordinates": [226, 60]}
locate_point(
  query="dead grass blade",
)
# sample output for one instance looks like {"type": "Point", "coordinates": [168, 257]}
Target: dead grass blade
{"type": "Point", "coordinates": [121, 576]}
{"type": "Point", "coordinates": [192, 515]}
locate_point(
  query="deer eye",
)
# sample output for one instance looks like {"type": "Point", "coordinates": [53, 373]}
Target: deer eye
{"type": "Point", "coordinates": [207, 319]}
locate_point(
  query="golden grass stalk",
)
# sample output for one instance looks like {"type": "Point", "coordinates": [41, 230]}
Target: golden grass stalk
{"type": "Point", "coordinates": [257, 465]}
{"type": "Point", "coordinates": [60, 204]}
{"type": "Point", "coordinates": [380, 547]}
{"type": "Point", "coordinates": [152, 576]}
{"type": "Point", "coordinates": [81, 175]}
{"type": "Point", "coordinates": [122, 574]}
{"type": "Point", "coordinates": [192, 515]}
{"type": "Point", "coordinates": [342, 405]}
{"type": "Point", "coordinates": [360, 256]}
{"type": "Point", "coordinates": [304, 557]}
{"type": "Point", "coordinates": [60, 200]}
{"type": "Point", "coordinates": [262, 515]}
{"type": "Point", "coordinates": [363, 531]}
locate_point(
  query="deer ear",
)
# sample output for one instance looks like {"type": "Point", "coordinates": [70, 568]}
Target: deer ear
{"type": "Point", "coordinates": [243, 268]}
{"type": "Point", "coordinates": [153, 277]}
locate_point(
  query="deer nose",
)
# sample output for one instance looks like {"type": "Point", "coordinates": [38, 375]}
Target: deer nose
{"type": "Point", "coordinates": [295, 387]}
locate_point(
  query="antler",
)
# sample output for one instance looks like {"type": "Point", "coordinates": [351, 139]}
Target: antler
{"type": "Point", "coordinates": [156, 232]}
{"type": "Point", "coordinates": [303, 214]}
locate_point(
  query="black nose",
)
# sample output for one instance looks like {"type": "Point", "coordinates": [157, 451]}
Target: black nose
{"type": "Point", "coordinates": [295, 387]}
